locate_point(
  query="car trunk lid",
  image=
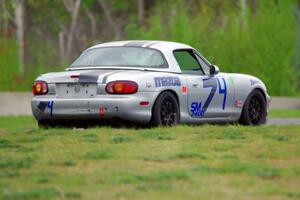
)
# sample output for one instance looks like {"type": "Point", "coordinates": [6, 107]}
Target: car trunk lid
{"type": "Point", "coordinates": [79, 83]}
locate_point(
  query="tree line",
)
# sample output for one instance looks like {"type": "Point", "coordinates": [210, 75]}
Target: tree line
{"type": "Point", "coordinates": [47, 34]}
{"type": "Point", "coordinates": [71, 24]}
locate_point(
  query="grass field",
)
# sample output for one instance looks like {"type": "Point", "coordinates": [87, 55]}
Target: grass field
{"type": "Point", "coordinates": [185, 162]}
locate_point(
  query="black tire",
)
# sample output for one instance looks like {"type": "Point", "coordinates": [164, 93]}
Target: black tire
{"type": "Point", "coordinates": [165, 111]}
{"type": "Point", "coordinates": [255, 110]}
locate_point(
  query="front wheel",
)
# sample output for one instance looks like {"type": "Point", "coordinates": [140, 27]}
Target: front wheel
{"type": "Point", "coordinates": [165, 111]}
{"type": "Point", "coordinates": [255, 110]}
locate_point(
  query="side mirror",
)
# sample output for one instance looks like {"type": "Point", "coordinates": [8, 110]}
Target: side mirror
{"type": "Point", "coordinates": [214, 69]}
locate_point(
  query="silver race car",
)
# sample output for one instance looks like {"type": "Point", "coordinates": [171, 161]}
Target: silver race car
{"type": "Point", "coordinates": [148, 82]}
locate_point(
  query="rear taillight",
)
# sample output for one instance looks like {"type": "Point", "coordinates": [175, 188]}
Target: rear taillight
{"type": "Point", "coordinates": [40, 87]}
{"type": "Point", "coordinates": [121, 87]}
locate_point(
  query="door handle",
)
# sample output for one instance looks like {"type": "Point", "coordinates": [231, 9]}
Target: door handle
{"type": "Point", "coordinates": [196, 84]}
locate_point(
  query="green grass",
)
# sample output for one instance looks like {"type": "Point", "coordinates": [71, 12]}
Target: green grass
{"type": "Point", "coordinates": [184, 162]}
{"type": "Point", "coordinates": [284, 113]}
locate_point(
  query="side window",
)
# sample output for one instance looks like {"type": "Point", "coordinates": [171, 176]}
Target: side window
{"type": "Point", "coordinates": [187, 61]}
{"type": "Point", "coordinates": [204, 65]}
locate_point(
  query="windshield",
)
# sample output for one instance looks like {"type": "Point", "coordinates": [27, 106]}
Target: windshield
{"type": "Point", "coordinates": [121, 57]}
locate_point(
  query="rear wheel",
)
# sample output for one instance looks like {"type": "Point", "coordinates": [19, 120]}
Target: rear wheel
{"type": "Point", "coordinates": [165, 111]}
{"type": "Point", "coordinates": [255, 110]}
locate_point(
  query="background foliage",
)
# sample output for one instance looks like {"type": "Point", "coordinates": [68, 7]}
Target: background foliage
{"type": "Point", "coordinates": [259, 40]}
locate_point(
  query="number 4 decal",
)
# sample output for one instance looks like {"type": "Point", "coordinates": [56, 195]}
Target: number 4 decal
{"type": "Point", "coordinates": [50, 106]}
{"type": "Point", "coordinates": [223, 91]}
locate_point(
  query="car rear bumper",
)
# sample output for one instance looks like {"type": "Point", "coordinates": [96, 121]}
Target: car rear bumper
{"type": "Point", "coordinates": [126, 107]}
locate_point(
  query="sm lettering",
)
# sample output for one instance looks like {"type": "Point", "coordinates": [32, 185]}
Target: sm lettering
{"type": "Point", "coordinates": [196, 109]}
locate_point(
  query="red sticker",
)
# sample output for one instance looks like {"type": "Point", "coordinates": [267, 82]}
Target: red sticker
{"type": "Point", "coordinates": [184, 89]}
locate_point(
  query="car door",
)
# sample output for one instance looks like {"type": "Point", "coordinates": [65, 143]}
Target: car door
{"type": "Point", "coordinates": [207, 94]}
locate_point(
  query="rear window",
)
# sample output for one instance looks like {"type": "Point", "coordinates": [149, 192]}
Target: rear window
{"type": "Point", "coordinates": [121, 57]}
